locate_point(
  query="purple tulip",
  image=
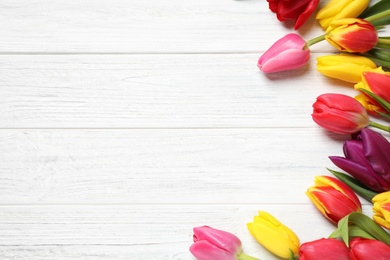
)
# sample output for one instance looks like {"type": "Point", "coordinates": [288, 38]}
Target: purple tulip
{"type": "Point", "coordinates": [288, 53]}
{"type": "Point", "coordinates": [214, 244]}
{"type": "Point", "coordinates": [367, 158]}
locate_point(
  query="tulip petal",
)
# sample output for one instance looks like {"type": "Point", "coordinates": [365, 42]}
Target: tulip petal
{"type": "Point", "coordinates": [379, 84]}
{"type": "Point", "coordinates": [204, 250]}
{"type": "Point", "coordinates": [361, 248]}
{"type": "Point", "coordinates": [361, 173]}
{"type": "Point", "coordinates": [377, 151]}
{"type": "Point", "coordinates": [287, 60]}
{"type": "Point", "coordinates": [310, 8]}
{"type": "Point", "coordinates": [221, 239]}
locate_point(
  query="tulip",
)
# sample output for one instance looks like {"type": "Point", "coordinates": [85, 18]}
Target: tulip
{"type": "Point", "coordinates": [214, 244]}
{"type": "Point", "coordinates": [369, 104]}
{"type": "Point", "coordinates": [273, 235]}
{"type": "Point", "coordinates": [367, 158]}
{"type": "Point", "coordinates": [368, 249]}
{"type": "Point", "coordinates": [376, 81]}
{"type": "Point", "coordinates": [338, 9]}
{"type": "Point", "coordinates": [298, 10]}
{"type": "Point", "coordinates": [339, 113]}
{"type": "Point", "coordinates": [352, 35]}
{"type": "Point", "coordinates": [289, 52]}
{"type": "Point", "coordinates": [333, 198]}
{"type": "Point", "coordinates": [344, 66]}
{"type": "Point", "coordinates": [324, 249]}
{"type": "Point", "coordinates": [382, 209]}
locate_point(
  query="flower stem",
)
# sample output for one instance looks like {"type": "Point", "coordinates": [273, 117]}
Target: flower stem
{"type": "Point", "coordinates": [246, 257]}
{"type": "Point", "coordinates": [379, 126]}
{"type": "Point", "coordinates": [315, 40]}
{"type": "Point", "coordinates": [377, 16]}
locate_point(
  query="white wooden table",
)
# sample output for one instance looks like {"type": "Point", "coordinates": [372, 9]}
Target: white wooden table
{"type": "Point", "coordinates": [124, 124]}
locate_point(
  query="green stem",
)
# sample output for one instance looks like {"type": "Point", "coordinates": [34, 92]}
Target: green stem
{"type": "Point", "coordinates": [384, 40]}
{"type": "Point", "coordinates": [379, 126]}
{"type": "Point", "coordinates": [246, 257]}
{"type": "Point", "coordinates": [315, 40]}
{"type": "Point", "coordinates": [377, 16]}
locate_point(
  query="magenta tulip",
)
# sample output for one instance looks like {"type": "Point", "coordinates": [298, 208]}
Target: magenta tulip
{"type": "Point", "coordinates": [368, 249]}
{"type": "Point", "coordinates": [367, 158]}
{"type": "Point", "coordinates": [288, 53]}
{"type": "Point", "coordinates": [340, 113]}
{"type": "Point", "coordinates": [324, 249]}
{"type": "Point", "coordinates": [214, 244]}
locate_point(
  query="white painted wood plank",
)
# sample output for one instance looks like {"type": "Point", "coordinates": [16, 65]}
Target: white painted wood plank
{"type": "Point", "coordinates": [163, 165]}
{"type": "Point", "coordinates": [147, 26]}
{"type": "Point", "coordinates": [104, 91]}
{"type": "Point", "coordinates": [139, 232]}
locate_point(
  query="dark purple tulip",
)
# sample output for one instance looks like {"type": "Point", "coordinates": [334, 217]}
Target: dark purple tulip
{"type": "Point", "coordinates": [367, 158]}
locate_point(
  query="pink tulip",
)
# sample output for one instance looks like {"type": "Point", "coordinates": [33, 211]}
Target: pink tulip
{"type": "Point", "coordinates": [214, 244]}
{"type": "Point", "coordinates": [324, 249]}
{"type": "Point", "coordinates": [340, 113]}
{"type": "Point", "coordinates": [368, 249]}
{"type": "Point", "coordinates": [288, 53]}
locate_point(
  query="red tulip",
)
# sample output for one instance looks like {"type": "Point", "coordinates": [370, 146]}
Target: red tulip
{"type": "Point", "coordinates": [340, 113]}
{"type": "Point", "coordinates": [298, 10]}
{"type": "Point", "coordinates": [324, 249]}
{"type": "Point", "coordinates": [368, 249]}
{"type": "Point", "coordinates": [352, 35]}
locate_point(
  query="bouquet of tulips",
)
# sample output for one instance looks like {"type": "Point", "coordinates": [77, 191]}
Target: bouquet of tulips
{"type": "Point", "coordinates": [352, 27]}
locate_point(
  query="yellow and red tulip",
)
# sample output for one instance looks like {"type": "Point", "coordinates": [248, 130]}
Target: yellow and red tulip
{"type": "Point", "coordinates": [338, 9]}
{"type": "Point", "coordinates": [333, 198]}
{"type": "Point", "coordinates": [352, 35]}
{"type": "Point", "coordinates": [382, 209]}
{"type": "Point", "coordinates": [273, 235]}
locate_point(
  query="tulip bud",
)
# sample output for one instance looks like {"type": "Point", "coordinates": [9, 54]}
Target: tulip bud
{"type": "Point", "coordinates": [382, 209]}
{"type": "Point", "coordinates": [338, 9]}
{"type": "Point", "coordinates": [273, 235]}
{"type": "Point", "coordinates": [288, 53]}
{"type": "Point", "coordinates": [368, 249]}
{"type": "Point", "coordinates": [333, 198]}
{"type": "Point", "coordinates": [323, 249]}
{"type": "Point", "coordinates": [339, 113]}
{"type": "Point", "coordinates": [367, 158]}
{"type": "Point", "coordinates": [298, 10]}
{"type": "Point", "coordinates": [214, 244]}
{"type": "Point", "coordinates": [344, 66]}
{"type": "Point", "coordinates": [352, 35]}
{"type": "Point", "coordinates": [376, 81]}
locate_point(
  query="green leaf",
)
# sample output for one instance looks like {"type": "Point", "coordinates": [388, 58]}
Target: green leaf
{"type": "Point", "coordinates": [381, 54]}
{"type": "Point", "coordinates": [369, 226]}
{"type": "Point", "coordinates": [383, 114]}
{"type": "Point", "coordinates": [355, 231]}
{"type": "Point", "coordinates": [381, 62]}
{"type": "Point", "coordinates": [382, 102]}
{"type": "Point", "coordinates": [355, 185]}
{"type": "Point", "coordinates": [343, 228]}
{"type": "Point", "coordinates": [376, 8]}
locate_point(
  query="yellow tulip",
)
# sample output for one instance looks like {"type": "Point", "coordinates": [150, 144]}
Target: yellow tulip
{"type": "Point", "coordinates": [382, 209]}
{"type": "Point", "coordinates": [365, 85]}
{"type": "Point", "coordinates": [273, 235]}
{"type": "Point", "coordinates": [337, 9]}
{"type": "Point", "coordinates": [345, 67]}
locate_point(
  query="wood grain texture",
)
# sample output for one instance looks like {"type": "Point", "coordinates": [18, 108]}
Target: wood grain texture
{"type": "Point", "coordinates": [154, 91]}
{"type": "Point", "coordinates": [147, 26]}
{"type": "Point", "coordinates": [163, 165]}
{"type": "Point", "coordinates": [138, 231]}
